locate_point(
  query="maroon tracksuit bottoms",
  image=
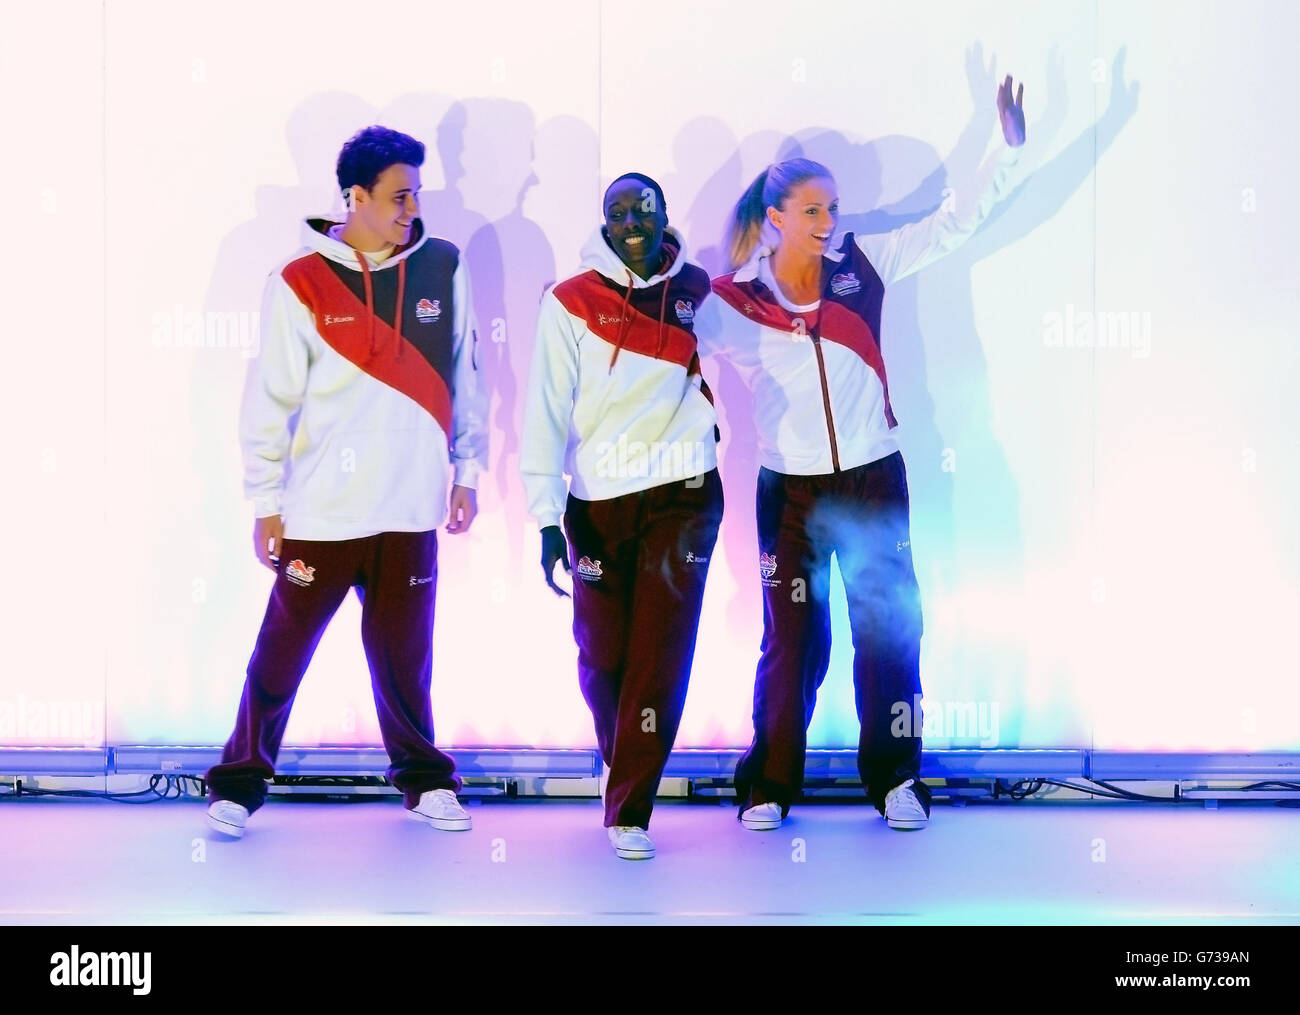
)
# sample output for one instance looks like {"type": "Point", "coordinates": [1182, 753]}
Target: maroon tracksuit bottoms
{"type": "Point", "coordinates": [395, 574]}
{"type": "Point", "coordinates": [639, 564]}
{"type": "Point", "coordinates": [861, 516]}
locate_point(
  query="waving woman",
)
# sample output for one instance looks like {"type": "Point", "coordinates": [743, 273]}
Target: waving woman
{"type": "Point", "coordinates": [799, 319]}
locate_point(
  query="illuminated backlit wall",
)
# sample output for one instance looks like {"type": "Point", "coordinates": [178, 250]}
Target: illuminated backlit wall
{"type": "Point", "coordinates": [1097, 393]}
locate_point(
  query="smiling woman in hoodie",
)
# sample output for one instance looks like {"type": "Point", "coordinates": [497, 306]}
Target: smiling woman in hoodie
{"type": "Point", "coordinates": [616, 401]}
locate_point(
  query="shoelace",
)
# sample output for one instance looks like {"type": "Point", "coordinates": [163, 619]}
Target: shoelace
{"type": "Point", "coordinates": [904, 796]}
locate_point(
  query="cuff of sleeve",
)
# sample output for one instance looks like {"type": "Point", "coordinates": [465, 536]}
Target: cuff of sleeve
{"type": "Point", "coordinates": [266, 505]}
{"type": "Point", "coordinates": [465, 473]}
{"type": "Point", "coordinates": [547, 520]}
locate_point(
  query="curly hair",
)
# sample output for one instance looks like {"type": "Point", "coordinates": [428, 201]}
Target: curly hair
{"type": "Point", "coordinates": [370, 151]}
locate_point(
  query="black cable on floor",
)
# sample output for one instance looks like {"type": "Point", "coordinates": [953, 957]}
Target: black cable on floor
{"type": "Point", "coordinates": [172, 787]}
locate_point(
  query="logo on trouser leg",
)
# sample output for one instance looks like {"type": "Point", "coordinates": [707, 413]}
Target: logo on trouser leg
{"type": "Point", "coordinates": [694, 558]}
{"type": "Point", "coordinates": [421, 581]}
{"type": "Point", "coordinates": [767, 568]}
{"type": "Point", "coordinates": [588, 569]}
{"type": "Point", "coordinates": [299, 573]}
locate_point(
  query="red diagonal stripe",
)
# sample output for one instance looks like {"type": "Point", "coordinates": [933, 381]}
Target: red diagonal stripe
{"type": "Point", "coordinates": [839, 324]}
{"type": "Point", "coordinates": [324, 294]}
{"type": "Point", "coordinates": [742, 297]}
{"type": "Point", "coordinates": [585, 296]}
{"type": "Point", "coordinates": [843, 327]}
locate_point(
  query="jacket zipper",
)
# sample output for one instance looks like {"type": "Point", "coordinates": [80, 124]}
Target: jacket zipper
{"type": "Point", "coordinates": [826, 393]}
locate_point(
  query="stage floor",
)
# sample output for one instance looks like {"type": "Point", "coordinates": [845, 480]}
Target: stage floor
{"type": "Point", "coordinates": [547, 861]}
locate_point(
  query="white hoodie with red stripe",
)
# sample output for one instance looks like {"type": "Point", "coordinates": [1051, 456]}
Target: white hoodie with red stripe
{"type": "Point", "coordinates": [377, 363]}
{"type": "Point", "coordinates": [615, 396]}
{"type": "Point", "coordinates": [821, 397]}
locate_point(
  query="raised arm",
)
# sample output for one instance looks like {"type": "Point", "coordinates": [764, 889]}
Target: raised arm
{"type": "Point", "coordinates": [899, 253]}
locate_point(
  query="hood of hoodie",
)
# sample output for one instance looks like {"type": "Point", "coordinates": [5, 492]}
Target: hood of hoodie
{"type": "Point", "coordinates": [316, 237]}
{"type": "Point", "coordinates": [597, 254]}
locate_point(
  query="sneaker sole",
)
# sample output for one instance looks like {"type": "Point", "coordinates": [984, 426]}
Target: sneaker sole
{"type": "Point", "coordinates": [907, 824]}
{"type": "Point", "coordinates": [225, 828]}
{"type": "Point", "coordinates": [442, 824]}
{"type": "Point", "coordinates": [762, 824]}
{"type": "Point", "coordinates": [634, 854]}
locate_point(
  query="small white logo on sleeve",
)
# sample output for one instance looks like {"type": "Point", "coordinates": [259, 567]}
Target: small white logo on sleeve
{"type": "Point", "coordinates": [331, 319]}
{"type": "Point", "coordinates": [102, 969]}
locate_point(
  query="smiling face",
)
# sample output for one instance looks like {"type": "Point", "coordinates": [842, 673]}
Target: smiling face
{"type": "Point", "coordinates": [634, 223]}
{"type": "Point", "coordinates": [808, 217]}
{"type": "Point", "coordinates": [387, 212]}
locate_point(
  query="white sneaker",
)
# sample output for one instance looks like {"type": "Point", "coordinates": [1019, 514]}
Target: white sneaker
{"type": "Point", "coordinates": [441, 809]}
{"type": "Point", "coordinates": [902, 808]}
{"type": "Point", "coordinates": [228, 818]}
{"type": "Point", "coordinates": [762, 817]}
{"type": "Point", "coordinates": [630, 842]}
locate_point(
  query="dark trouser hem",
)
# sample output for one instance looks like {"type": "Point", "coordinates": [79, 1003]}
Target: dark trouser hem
{"type": "Point", "coordinates": [861, 517]}
{"type": "Point", "coordinates": [639, 567]}
{"type": "Point", "coordinates": [395, 575]}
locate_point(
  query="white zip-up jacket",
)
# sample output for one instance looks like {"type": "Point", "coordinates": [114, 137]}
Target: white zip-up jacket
{"type": "Point", "coordinates": [615, 395]}
{"type": "Point", "coordinates": [377, 362]}
{"type": "Point", "coordinates": [821, 398]}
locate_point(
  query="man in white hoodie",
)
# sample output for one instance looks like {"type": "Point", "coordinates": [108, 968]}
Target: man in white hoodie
{"type": "Point", "coordinates": [362, 418]}
{"type": "Point", "coordinates": [616, 400]}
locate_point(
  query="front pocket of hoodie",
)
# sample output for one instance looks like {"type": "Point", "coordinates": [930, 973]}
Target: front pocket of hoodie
{"type": "Point", "coordinates": [377, 475]}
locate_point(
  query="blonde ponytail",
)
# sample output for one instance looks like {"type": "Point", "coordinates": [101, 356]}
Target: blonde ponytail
{"type": "Point", "coordinates": [747, 222]}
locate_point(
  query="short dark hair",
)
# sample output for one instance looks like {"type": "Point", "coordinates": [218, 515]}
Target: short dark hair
{"type": "Point", "coordinates": [641, 178]}
{"type": "Point", "coordinates": [370, 151]}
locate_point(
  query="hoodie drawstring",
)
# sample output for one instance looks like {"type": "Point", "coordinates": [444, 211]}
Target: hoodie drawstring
{"type": "Point", "coordinates": [370, 300]}
{"type": "Point", "coordinates": [663, 309]}
{"type": "Point", "coordinates": [397, 317]}
{"type": "Point", "coordinates": [625, 322]}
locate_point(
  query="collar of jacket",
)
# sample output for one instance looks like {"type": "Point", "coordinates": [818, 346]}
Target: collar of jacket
{"type": "Point", "coordinates": [840, 244]}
